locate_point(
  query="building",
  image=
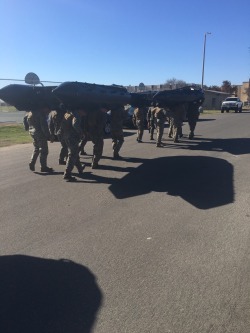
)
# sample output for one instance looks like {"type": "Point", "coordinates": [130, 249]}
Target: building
{"type": "Point", "coordinates": [213, 99]}
{"type": "Point", "coordinates": [243, 92]}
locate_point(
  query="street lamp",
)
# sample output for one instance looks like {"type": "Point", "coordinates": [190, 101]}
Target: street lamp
{"type": "Point", "coordinates": [204, 54]}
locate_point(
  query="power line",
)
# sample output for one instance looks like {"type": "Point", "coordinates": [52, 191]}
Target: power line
{"type": "Point", "coordinates": [24, 80]}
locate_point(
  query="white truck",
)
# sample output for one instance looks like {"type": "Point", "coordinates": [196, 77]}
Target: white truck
{"type": "Point", "coordinates": [231, 103]}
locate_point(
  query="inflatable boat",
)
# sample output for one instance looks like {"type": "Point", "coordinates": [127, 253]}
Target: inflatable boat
{"type": "Point", "coordinates": [168, 98]}
{"type": "Point", "coordinates": [76, 95]}
{"type": "Point", "coordinates": [28, 97]}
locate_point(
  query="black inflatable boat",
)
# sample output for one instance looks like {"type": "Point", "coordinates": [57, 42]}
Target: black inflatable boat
{"type": "Point", "coordinates": [28, 97]}
{"type": "Point", "coordinates": [84, 95]}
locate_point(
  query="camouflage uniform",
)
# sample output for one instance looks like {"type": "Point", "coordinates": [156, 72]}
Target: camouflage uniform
{"type": "Point", "coordinates": [39, 131]}
{"type": "Point", "coordinates": [192, 116]}
{"type": "Point", "coordinates": [160, 117]}
{"type": "Point", "coordinates": [85, 135]}
{"type": "Point", "coordinates": [95, 128]}
{"type": "Point", "coordinates": [71, 133]}
{"type": "Point", "coordinates": [151, 122]}
{"type": "Point", "coordinates": [178, 111]}
{"type": "Point", "coordinates": [117, 115]}
{"type": "Point", "coordinates": [138, 121]}
{"type": "Point", "coordinates": [55, 121]}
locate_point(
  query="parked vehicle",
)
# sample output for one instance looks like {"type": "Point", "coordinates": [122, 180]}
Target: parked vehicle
{"type": "Point", "coordinates": [231, 103]}
{"type": "Point", "coordinates": [127, 122]}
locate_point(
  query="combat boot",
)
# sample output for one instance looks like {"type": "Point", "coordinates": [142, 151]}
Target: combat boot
{"type": "Point", "coordinates": [32, 166]}
{"type": "Point", "coordinates": [94, 165]}
{"type": "Point", "coordinates": [191, 135]}
{"type": "Point", "coordinates": [69, 178]}
{"type": "Point", "coordinates": [80, 170]}
{"type": "Point", "coordinates": [47, 169]}
{"type": "Point", "coordinates": [116, 156]}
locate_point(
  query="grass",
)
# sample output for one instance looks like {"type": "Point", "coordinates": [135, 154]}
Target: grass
{"type": "Point", "coordinates": [8, 108]}
{"type": "Point", "coordinates": [13, 135]}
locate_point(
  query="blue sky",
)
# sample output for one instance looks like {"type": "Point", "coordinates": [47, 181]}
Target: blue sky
{"type": "Point", "coordinates": [125, 42]}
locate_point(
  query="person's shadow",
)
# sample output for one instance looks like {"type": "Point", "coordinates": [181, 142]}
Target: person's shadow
{"type": "Point", "coordinates": [204, 182]}
{"type": "Point", "coordinates": [46, 296]}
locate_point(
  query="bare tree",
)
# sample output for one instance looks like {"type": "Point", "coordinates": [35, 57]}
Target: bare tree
{"type": "Point", "coordinates": [215, 88]}
{"type": "Point", "coordinates": [226, 87]}
{"type": "Point", "coordinates": [174, 83]}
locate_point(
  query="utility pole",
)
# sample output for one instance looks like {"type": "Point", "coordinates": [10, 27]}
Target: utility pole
{"type": "Point", "coordinates": [204, 55]}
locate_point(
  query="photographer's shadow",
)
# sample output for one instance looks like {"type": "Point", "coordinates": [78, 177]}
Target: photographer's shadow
{"type": "Point", "coordinates": [46, 296]}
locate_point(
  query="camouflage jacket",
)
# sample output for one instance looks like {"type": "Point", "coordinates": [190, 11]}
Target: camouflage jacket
{"type": "Point", "coordinates": [38, 125]}
{"type": "Point", "coordinates": [160, 115]}
{"type": "Point", "coordinates": [71, 126]}
{"type": "Point", "coordinates": [139, 114]}
{"type": "Point", "coordinates": [117, 117]}
{"type": "Point", "coordinates": [55, 122]}
{"type": "Point", "coordinates": [95, 123]}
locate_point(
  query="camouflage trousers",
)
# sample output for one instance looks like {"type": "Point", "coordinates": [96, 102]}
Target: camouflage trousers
{"type": "Point", "coordinates": [192, 123]}
{"type": "Point", "coordinates": [160, 130]}
{"type": "Point", "coordinates": [64, 150]}
{"type": "Point", "coordinates": [40, 148]}
{"type": "Point", "coordinates": [73, 158]}
{"type": "Point", "coordinates": [117, 140]}
{"type": "Point", "coordinates": [140, 129]}
{"type": "Point", "coordinates": [97, 148]}
{"type": "Point", "coordinates": [175, 128]}
{"type": "Point", "coordinates": [83, 143]}
{"type": "Point", "coordinates": [151, 128]}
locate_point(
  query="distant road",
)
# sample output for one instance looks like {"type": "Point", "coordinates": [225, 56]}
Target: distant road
{"type": "Point", "coordinates": [11, 117]}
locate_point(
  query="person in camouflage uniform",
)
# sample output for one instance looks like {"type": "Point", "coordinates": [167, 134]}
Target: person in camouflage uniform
{"type": "Point", "coordinates": [138, 119]}
{"type": "Point", "coordinates": [39, 131]}
{"type": "Point", "coordinates": [71, 132]}
{"type": "Point", "coordinates": [96, 119]}
{"type": "Point", "coordinates": [117, 116]}
{"type": "Point", "coordinates": [192, 117]}
{"type": "Point", "coordinates": [55, 121]}
{"type": "Point", "coordinates": [160, 118]}
{"type": "Point", "coordinates": [151, 121]}
{"type": "Point", "coordinates": [85, 135]}
{"type": "Point", "coordinates": [178, 112]}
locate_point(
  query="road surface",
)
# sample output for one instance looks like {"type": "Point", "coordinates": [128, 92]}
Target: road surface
{"type": "Point", "coordinates": [157, 242]}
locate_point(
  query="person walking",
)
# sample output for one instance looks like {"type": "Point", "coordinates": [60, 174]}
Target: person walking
{"type": "Point", "coordinates": [39, 131]}
{"type": "Point", "coordinates": [117, 116]}
{"type": "Point", "coordinates": [96, 119]}
{"type": "Point", "coordinates": [71, 133]}
{"type": "Point", "coordinates": [192, 117]}
{"type": "Point", "coordinates": [178, 112]}
{"type": "Point", "coordinates": [55, 122]}
{"type": "Point", "coordinates": [138, 119]}
{"type": "Point", "coordinates": [151, 121]}
{"type": "Point", "coordinates": [160, 118]}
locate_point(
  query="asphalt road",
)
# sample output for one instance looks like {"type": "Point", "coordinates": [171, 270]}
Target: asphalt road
{"type": "Point", "coordinates": [157, 242]}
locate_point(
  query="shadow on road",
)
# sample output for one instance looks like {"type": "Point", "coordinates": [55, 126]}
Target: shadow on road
{"type": "Point", "coordinates": [204, 182]}
{"type": "Point", "coordinates": [238, 146]}
{"type": "Point", "coordinates": [46, 296]}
